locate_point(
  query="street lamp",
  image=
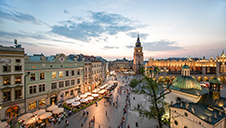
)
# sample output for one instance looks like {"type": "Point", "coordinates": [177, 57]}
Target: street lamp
{"type": "Point", "coordinates": [28, 73]}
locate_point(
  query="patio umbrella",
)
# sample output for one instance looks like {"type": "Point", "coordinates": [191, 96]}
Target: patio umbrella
{"type": "Point", "coordinates": [3, 124]}
{"type": "Point", "coordinates": [45, 115]}
{"type": "Point", "coordinates": [58, 110]}
{"type": "Point", "coordinates": [83, 96]}
{"type": "Point", "coordinates": [31, 120]}
{"type": "Point", "coordinates": [83, 100]}
{"type": "Point", "coordinates": [75, 104]}
{"type": "Point", "coordinates": [70, 101]}
{"type": "Point", "coordinates": [51, 108]}
{"type": "Point", "coordinates": [89, 98]}
{"type": "Point", "coordinates": [88, 93]}
{"type": "Point", "coordinates": [25, 116]}
{"type": "Point", "coordinates": [95, 91]}
{"type": "Point", "coordinates": [39, 112]}
{"type": "Point", "coordinates": [77, 98]}
{"type": "Point", "coordinates": [95, 95]}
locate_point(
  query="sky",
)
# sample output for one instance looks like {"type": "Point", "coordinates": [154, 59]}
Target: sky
{"type": "Point", "coordinates": [109, 28]}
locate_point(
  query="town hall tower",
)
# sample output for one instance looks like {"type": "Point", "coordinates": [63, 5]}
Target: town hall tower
{"type": "Point", "coordinates": [137, 57]}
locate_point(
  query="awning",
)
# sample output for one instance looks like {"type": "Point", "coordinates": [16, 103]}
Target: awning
{"type": "Point", "coordinates": [45, 115]}
{"type": "Point", "coordinates": [70, 101]}
{"type": "Point", "coordinates": [58, 110]}
{"type": "Point", "coordinates": [89, 98]}
{"type": "Point", "coordinates": [95, 95]}
{"type": "Point", "coordinates": [83, 100]}
{"type": "Point", "coordinates": [77, 98]}
{"type": "Point", "coordinates": [31, 120]}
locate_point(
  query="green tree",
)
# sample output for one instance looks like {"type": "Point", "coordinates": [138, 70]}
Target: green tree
{"type": "Point", "coordinates": [154, 94]}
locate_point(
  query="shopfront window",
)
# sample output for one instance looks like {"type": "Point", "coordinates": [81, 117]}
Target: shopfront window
{"type": "Point", "coordinates": [42, 102]}
{"type": "Point", "coordinates": [12, 112]}
{"type": "Point", "coordinates": [17, 79]}
{"type": "Point", "coordinates": [32, 105]}
{"type": "Point", "coordinates": [18, 94]}
{"type": "Point", "coordinates": [66, 93]}
{"type": "Point", "coordinates": [7, 96]}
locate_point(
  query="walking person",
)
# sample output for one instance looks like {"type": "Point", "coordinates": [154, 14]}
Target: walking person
{"type": "Point", "coordinates": [87, 113]}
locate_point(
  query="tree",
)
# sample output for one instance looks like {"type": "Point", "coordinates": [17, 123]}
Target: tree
{"type": "Point", "coordinates": [155, 95]}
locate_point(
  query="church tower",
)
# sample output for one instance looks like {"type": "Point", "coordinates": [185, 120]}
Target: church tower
{"type": "Point", "coordinates": [137, 57]}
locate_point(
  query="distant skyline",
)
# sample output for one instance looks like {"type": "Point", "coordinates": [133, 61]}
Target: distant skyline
{"type": "Point", "coordinates": [109, 29]}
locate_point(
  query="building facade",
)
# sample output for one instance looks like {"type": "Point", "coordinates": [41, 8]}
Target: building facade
{"type": "Point", "coordinates": [11, 81]}
{"type": "Point", "coordinates": [138, 57]}
{"type": "Point", "coordinates": [122, 64]}
{"type": "Point", "coordinates": [52, 79]}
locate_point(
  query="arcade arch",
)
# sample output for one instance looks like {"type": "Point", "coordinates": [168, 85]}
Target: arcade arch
{"type": "Point", "coordinates": [205, 79]}
{"type": "Point", "coordinates": [199, 78]}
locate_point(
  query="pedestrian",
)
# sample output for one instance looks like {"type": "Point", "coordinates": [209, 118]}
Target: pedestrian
{"type": "Point", "coordinates": [87, 113]}
{"type": "Point", "coordinates": [99, 126]}
{"type": "Point", "coordinates": [58, 120]}
{"type": "Point", "coordinates": [128, 126]}
{"type": "Point", "coordinates": [93, 118]}
{"type": "Point", "coordinates": [81, 124]}
{"type": "Point", "coordinates": [66, 123]}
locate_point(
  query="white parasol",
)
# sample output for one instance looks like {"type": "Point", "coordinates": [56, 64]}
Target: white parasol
{"type": "Point", "coordinates": [3, 124]}
{"type": "Point", "coordinates": [45, 115]}
{"type": "Point", "coordinates": [39, 112]}
{"type": "Point", "coordinates": [89, 98]}
{"type": "Point", "coordinates": [51, 108]}
{"type": "Point", "coordinates": [70, 101]}
{"type": "Point", "coordinates": [58, 110]}
{"type": "Point", "coordinates": [88, 93]}
{"type": "Point", "coordinates": [83, 100]}
{"type": "Point", "coordinates": [31, 120]}
{"type": "Point", "coordinates": [75, 104]}
{"type": "Point", "coordinates": [95, 95]}
{"type": "Point", "coordinates": [25, 116]}
{"type": "Point", "coordinates": [77, 98]}
{"type": "Point", "coordinates": [83, 96]}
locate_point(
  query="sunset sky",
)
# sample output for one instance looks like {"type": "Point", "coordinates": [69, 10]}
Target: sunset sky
{"type": "Point", "coordinates": [109, 28]}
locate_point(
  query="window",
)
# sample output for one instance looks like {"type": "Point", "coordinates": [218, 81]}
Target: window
{"type": "Point", "coordinates": [32, 77]}
{"type": "Point", "coordinates": [41, 87]}
{"type": "Point", "coordinates": [186, 114]}
{"type": "Point", "coordinates": [18, 94]}
{"type": "Point", "coordinates": [67, 83]}
{"type": "Point", "coordinates": [71, 92]}
{"type": "Point", "coordinates": [72, 72]}
{"type": "Point", "coordinates": [18, 60]}
{"type": "Point", "coordinates": [61, 84]}
{"type": "Point", "coordinates": [72, 82]}
{"type": "Point", "coordinates": [54, 85]}
{"type": "Point", "coordinates": [17, 79]}
{"type": "Point", "coordinates": [6, 68]}
{"type": "Point", "coordinates": [42, 76]}
{"type": "Point", "coordinates": [78, 81]}
{"type": "Point", "coordinates": [6, 80]}
{"type": "Point", "coordinates": [32, 105]}
{"type": "Point", "coordinates": [61, 73]}
{"type": "Point", "coordinates": [67, 73]}
{"type": "Point", "coordinates": [78, 72]}
{"type": "Point", "coordinates": [32, 89]}
{"type": "Point", "coordinates": [185, 127]}
{"type": "Point", "coordinates": [208, 70]}
{"type": "Point", "coordinates": [7, 96]}
{"type": "Point", "coordinates": [67, 93]}
{"type": "Point", "coordinates": [175, 122]}
{"type": "Point", "coordinates": [18, 68]}
{"type": "Point", "coordinates": [53, 74]}
{"type": "Point", "coordinates": [42, 102]}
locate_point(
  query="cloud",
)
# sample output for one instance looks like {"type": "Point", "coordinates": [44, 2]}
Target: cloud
{"type": "Point", "coordinates": [134, 35]}
{"type": "Point", "coordinates": [65, 11]}
{"type": "Point", "coordinates": [110, 47]}
{"type": "Point", "coordinates": [22, 34]}
{"type": "Point", "coordinates": [130, 46]}
{"type": "Point", "coordinates": [97, 23]}
{"type": "Point", "coordinates": [163, 45]}
{"type": "Point", "coordinates": [10, 13]}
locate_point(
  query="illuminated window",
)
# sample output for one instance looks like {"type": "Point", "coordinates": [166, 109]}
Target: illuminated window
{"type": "Point", "coordinates": [61, 73]}
{"type": "Point", "coordinates": [42, 76]}
{"type": "Point", "coordinates": [208, 70]}
{"type": "Point", "coordinates": [6, 80]}
{"type": "Point", "coordinates": [17, 79]}
{"type": "Point", "coordinates": [32, 77]}
{"type": "Point", "coordinates": [53, 74]}
{"type": "Point", "coordinates": [66, 93]}
{"type": "Point", "coordinates": [42, 102]}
